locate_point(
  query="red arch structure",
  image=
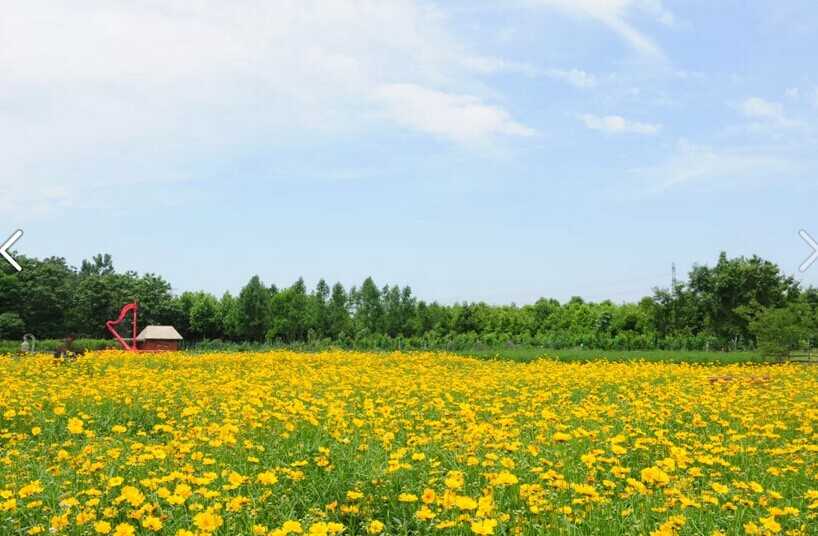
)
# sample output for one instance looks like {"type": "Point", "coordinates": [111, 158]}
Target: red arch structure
{"type": "Point", "coordinates": [111, 325]}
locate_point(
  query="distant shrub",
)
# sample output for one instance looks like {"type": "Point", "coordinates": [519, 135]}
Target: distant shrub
{"type": "Point", "coordinates": [11, 326]}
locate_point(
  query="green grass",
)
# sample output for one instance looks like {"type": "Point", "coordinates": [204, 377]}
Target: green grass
{"type": "Point", "coordinates": [49, 345]}
{"type": "Point", "coordinates": [526, 354]}
{"type": "Point", "coordinates": [522, 354]}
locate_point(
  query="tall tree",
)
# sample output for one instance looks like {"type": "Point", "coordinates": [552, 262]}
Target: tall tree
{"type": "Point", "coordinates": [733, 291]}
{"type": "Point", "coordinates": [206, 317]}
{"type": "Point", "coordinates": [369, 310]}
{"type": "Point", "coordinates": [340, 323]}
{"type": "Point", "coordinates": [254, 310]}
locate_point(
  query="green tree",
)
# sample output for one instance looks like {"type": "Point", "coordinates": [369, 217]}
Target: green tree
{"type": "Point", "coordinates": [45, 293]}
{"type": "Point", "coordinates": [340, 322]}
{"type": "Point", "coordinates": [206, 317]}
{"type": "Point", "coordinates": [101, 264]}
{"type": "Point", "coordinates": [318, 310]}
{"type": "Point", "coordinates": [11, 326]}
{"type": "Point", "coordinates": [369, 309]}
{"type": "Point", "coordinates": [731, 293]}
{"type": "Point", "coordinates": [782, 330]}
{"type": "Point", "coordinates": [289, 314]}
{"type": "Point", "coordinates": [254, 310]}
{"type": "Point", "coordinates": [230, 317]}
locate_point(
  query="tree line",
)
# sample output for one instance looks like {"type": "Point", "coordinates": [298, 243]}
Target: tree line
{"type": "Point", "coordinates": [738, 303]}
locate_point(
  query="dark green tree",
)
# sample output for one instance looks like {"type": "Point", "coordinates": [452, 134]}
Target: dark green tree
{"type": "Point", "coordinates": [11, 326]}
{"type": "Point", "coordinates": [206, 317]}
{"type": "Point", "coordinates": [254, 310]}
{"type": "Point", "coordinates": [733, 291]}
{"type": "Point", "coordinates": [369, 309]}
{"type": "Point", "coordinates": [340, 322]}
{"type": "Point", "coordinates": [783, 330]}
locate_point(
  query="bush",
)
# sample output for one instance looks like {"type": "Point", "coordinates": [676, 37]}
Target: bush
{"type": "Point", "coordinates": [11, 326]}
{"type": "Point", "coordinates": [781, 331]}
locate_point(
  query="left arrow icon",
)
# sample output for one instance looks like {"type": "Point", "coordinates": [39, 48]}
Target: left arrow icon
{"type": "Point", "coordinates": [4, 249]}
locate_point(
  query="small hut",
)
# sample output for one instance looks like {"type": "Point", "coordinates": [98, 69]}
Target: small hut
{"type": "Point", "coordinates": [158, 338]}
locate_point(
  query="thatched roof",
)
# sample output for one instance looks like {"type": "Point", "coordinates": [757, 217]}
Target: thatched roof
{"type": "Point", "coordinates": [161, 333]}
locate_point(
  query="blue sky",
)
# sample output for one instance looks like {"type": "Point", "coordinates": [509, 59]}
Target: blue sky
{"type": "Point", "coordinates": [476, 152]}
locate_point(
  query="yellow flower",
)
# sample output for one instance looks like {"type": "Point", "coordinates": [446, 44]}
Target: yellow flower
{"type": "Point", "coordinates": [484, 526]}
{"type": "Point", "coordinates": [465, 503]}
{"type": "Point", "coordinates": [207, 521]}
{"type": "Point", "coordinates": [721, 489]}
{"type": "Point", "coordinates": [32, 488]}
{"type": "Point", "coordinates": [291, 527]}
{"type": "Point", "coordinates": [504, 478]}
{"type": "Point", "coordinates": [59, 522]}
{"type": "Point", "coordinates": [124, 529]}
{"type": "Point", "coordinates": [654, 475]}
{"type": "Point", "coordinates": [770, 524]}
{"type": "Point", "coordinates": [132, 495]}
{"type": "Point", "coordinates": [407, 498]}
{"type": "Point", "coordinates": [152, 523]}
{"type": "Point", "coordinates": [374, 527]}
{"type": "Point", "coordinates": [102, 527]}
{"type": "Point", "coordinates": [424, 514]}
{"type": "Point", "coordinates": [267, 478]}
{"type": "Point", "coordinates": [75, 426]}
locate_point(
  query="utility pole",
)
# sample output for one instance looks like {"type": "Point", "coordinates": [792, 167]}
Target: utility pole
{"type": "Point", "coordinates": [673, 276]}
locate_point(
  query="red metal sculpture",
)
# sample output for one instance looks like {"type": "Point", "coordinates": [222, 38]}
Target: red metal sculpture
{"type": "Point", "coordinates": [111, 324]}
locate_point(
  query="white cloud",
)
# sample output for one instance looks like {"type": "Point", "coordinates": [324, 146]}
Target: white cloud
{"type": "Point", "coordinates": [771, 112]}
{"type": "Point", "coordinates": [489, 65]}
{"type": "Point", "coordinates": [615, 124]}
{"type": "Point", "coordinates": [575, 77]}
{"type": "Point", "coordinates": [792, 92]}
{"type": "Point", "coordinates": [691, 163]}
{"type": "Point", "coordinates": [92, 92]}
{"type": "Point", "coordinates": [613, 14]}
{"type": "Point", "coordinates": [461, 118]}
{"type": "Point", "coordinates": [492, 65]}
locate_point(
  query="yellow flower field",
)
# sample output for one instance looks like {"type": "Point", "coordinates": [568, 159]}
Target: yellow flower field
{"type": "Point", "coordinates": [353, 443]}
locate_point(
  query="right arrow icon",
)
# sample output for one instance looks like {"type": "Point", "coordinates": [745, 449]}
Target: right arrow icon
{"type": "Point", "coordinates": [814, 245]}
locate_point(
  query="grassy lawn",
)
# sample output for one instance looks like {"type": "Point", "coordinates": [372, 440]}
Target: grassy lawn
{"type": "Point", "coordinates": [522, 354]}
{"type": "Point", "coordinates": [525, 354]}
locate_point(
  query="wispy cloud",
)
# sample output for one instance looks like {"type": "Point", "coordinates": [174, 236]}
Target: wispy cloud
{"type": "Point", "coordinates": [80, 82]}
{"type": "Point", "coordinates": [615, 124]}
{"type": "Point", "coordinates": [494, 65]}
{"type": "Point", "coordinates": [576, 77]}
{"type": "Point", "coordinates": [613, 14]}
{"type": "Point", "coordinates": [690, 163]}
{"type": "Point", "coordinates": [764, 110]}
{"type": "Point", "coordinates": [460, 118]}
